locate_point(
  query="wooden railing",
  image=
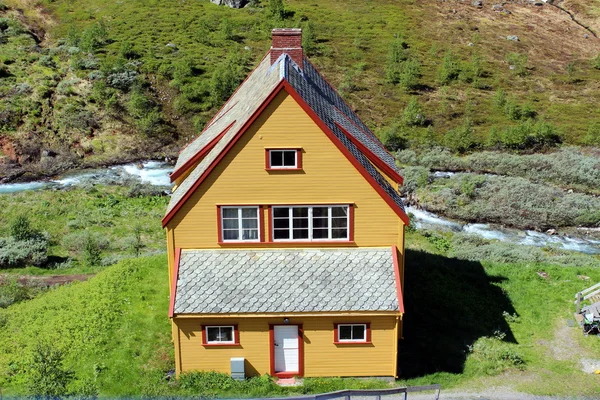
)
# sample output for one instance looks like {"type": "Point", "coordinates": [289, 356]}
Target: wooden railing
{"type": "Point", "coordinates": [376, 393]}
{"type": "Point", "coordinates": [586, 294]}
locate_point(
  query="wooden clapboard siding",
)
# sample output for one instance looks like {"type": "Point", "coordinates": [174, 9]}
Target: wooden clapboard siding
{"type": "Point", "coordinates": [241, 178]}
{"type": "Point", "coordinates": [321, 356]}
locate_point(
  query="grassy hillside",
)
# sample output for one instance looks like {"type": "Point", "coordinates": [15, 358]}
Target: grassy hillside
{"type": "Point", "coordinates": [469, 324]}
{"type": "Point", "coordinates": [111, 80]}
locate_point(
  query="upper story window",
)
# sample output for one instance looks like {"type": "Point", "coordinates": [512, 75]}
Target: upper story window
{"type": "Point", "coordinates": [284, 159]}
{"type": "Point", "coordinates": [240, 224]}
{"type": "Point", "coordinates": [308, 223]}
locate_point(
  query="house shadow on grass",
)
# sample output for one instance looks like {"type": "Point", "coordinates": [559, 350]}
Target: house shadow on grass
{"type": "Point", "coordinates": [449, 304]}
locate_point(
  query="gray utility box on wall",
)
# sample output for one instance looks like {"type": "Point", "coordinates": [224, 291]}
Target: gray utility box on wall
{"type": "Point", "coordinates": [237, 368]}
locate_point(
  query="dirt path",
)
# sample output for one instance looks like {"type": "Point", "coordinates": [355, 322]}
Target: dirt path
{"type": "Point", "coordinates": [50, 280]}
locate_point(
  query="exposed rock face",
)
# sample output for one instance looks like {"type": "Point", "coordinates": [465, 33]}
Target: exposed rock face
{"type": "Point", "coordinates": [230, 3]}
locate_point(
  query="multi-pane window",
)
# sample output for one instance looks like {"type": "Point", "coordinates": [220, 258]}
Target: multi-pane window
{"type": "Point", "coordinates": [284, 159]}
{"type": "Point", "coordinates": [240, 223]}
{"type": "Point", "coordinates": [352, 332]}
{"type": "Point", "coordinates": [311, 223]}
{"type": "Point", "coordinates": [220, 334]}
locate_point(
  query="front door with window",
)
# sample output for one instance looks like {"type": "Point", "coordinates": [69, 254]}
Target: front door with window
{"type": "Point", "coordinates": [286, 348]}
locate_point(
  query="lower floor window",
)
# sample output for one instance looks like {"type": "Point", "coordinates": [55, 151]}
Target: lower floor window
{"type": "Point", "coordinates": [352, 333]}
{"type": "Point", "coordinates": [220, 334]}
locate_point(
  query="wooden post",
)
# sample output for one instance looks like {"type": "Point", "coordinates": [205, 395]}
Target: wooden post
{"type": "Point", "coordinates": [578, 302]}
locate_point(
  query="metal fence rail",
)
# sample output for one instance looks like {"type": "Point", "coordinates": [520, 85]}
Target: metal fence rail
{"type": "Point", "coordinates": [376, 393]}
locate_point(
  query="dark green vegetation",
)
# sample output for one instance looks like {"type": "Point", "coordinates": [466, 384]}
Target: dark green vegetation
{"type": "Point", "coordinates": [83, 229]}
{"type": "Point", "coordinates": [113, 80]}
{"type": "Point", "coordinates": [466, 322]}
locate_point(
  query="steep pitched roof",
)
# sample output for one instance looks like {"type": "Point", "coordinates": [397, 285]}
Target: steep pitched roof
{"type": "Point", "coordinates": [299, 280]}
{"type": "Point", "coordinates": [318, 99]}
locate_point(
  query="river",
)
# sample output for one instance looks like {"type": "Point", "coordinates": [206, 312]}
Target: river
{"type": "Point", "coordinates": [157, 173]}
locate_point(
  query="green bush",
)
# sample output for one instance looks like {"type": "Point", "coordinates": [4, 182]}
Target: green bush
{"type": "Point", "coordinates": [518, 63]}
{"type": "Point", "coordinates": [414, 177]}
{"type": "Point", "coordinates": [277, 10]}
{"type": "Point", "coordinates": [492, 356]}
{"type": "Point", "coordinates": [462, 138]}
{"type": "Point", "coordinates": [11, 291]}
{"type": "Point", "coordinates": [500, 98]}
{"type": "Point", "coordinates": [20, 229]}
{"type": "Point", "coordinates": [592, 137]}
{"type": "Point", "coordinates": [596, 61]}
{"type": "Point", "coordinates": [20, 253]}
{"type": "Point", "coordinates": [47, 377]}
{"type": "Point", "coordinates": [413, 114]}
{"type": "Point", "coordinates": [449, 69]}
{"type": "Point", "coordinates": [309, 39]}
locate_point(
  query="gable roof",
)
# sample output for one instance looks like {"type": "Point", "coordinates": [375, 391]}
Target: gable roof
{"type": "Point", "coordinates": [300, 280]}
{"type": "Point", "coordinates": [317, 98]}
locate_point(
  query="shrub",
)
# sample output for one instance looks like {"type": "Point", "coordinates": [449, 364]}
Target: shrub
{"type": "Point", "coordinates": [226, 29]}
{"type": "Point", "coordinates": [92, 254]}
{"type": "Point", "coordinates": [122, 80]}
{"type": "Point", "coordinates": [11, 292]}
{"type": "Point", "coordinates": [47, 376]}
{"type": "Point", "coordinates": [462, 138]}
{"type": "Point", "coordinates": [227, 77]}
{"type": "Point", "coordinates": [20, 253]}
{"type": "Point", "coordinates": [93, 37]}
{"type": "Point", "coordinates": [518, 63]}
{"type": "Point", "coordinates": [410, 72]}
{"type": "Point", "coordinates": [500, 98]}
{"type": "Point", "coordinates": [88, 246]}
{"type": "Point", "coordinates": [449, 69]}
{"type": "Point", "coordinates": [592, 136]}
{"type": "Point", "coordinates": [596, 61]}
{"type": "Point", "coordinates": [413, 114]}
{"type": "Point", "coordinates": [20, 229]}
{"type": "Point", "coordinates": [309, 39]}
{"type": "Point", "coordinates": [277, 10]}
{"type": "Point", "coordinates": [491, 356]}
{"type": "Point", "coordinates": [414, 177]}
{"type": "Point", "coordinates": [397, 54]}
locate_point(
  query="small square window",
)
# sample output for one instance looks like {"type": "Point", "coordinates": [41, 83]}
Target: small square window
{"type": "Point", "coordinates": [284, 159]}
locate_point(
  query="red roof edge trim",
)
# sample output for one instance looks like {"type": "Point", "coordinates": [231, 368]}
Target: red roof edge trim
{"type": "Point", "coordinates": [174, 282]}
{"type": "Point", "coordinates": [397, 276]}
{"type": "Point", "coordinates": [198, 156]}
{"type": "Point", "coordinates": [376, 160]}
{"type": "Point", "coordinates": [224, 104]}
{"type": "Point", "coordinates": [386, 197]}
{"type": "Point", "coordinates": [234, 140]}
{"type": "Point", "coordinates": [370, 134]}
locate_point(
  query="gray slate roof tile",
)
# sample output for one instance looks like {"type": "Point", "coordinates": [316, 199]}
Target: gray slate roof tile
{"type": "Point", "coordinates": [260, 283]}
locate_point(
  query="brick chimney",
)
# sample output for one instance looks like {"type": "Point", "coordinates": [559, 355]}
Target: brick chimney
{"type": "Point", "coordinates": [289, 41]}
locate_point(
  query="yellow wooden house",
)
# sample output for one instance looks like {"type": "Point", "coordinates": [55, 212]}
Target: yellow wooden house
{"type": "Point", "coordinates": [285, 232]}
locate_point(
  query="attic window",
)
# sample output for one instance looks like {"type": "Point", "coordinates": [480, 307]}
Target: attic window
{"type": "Point", "coordinates": [288, 159]}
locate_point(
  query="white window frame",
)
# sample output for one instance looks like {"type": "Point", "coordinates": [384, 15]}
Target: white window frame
{"type": "Point", "coordinates": [240, 225]}
{"type": "Point", "coordinates": [232, 341]}
{"type": "Point", "coordinates": [339, 330]}
{"type": "Point", "coordinates": [295, 166]}
{"type": "Point", "coordinates": [310, 223]}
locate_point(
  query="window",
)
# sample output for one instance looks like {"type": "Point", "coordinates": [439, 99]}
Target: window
{"type": "Point", "coordinates": [284, 158]}
{"type": "Point", "coordinates": [311, 223]}
{"type": "Point", "coordinates": [239, 224]}
{"type": "Point", "coordinates": [220, 335]}
{"type": "Point", "coordinates": [352, 333]}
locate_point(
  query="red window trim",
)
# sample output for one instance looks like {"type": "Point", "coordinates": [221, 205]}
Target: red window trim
{"type": "Point", "coordinates": [300, 353]}
{"type": "Point", "coordinates": [350, 239]}
{"type": "Point", "coordinates": [236, 336]}
{"type": "Point", "coordinates": [298, 151]}
{"type": "Point", "coordinates": [346, 343]}
{"type": "Point", "coordinates": [261, 225]}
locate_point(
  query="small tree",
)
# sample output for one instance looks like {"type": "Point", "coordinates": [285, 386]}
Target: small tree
{"type": "Point", "coordinates": [277, 10]}
{"type": "Point", "coordinates": [413, 113]}
{"type": "Point", "coordinates": [47, 376]}
{"type": "Point", "coordinates": [518, 63]}
{"type": "Point", "coordinates": [20, 229]}
{"type": "Point", "coordinates": [92, 254]}
{"type": "Point", "coordinates": [449, 69]}
{"type": "Point", "coordinates": [309, 39]}
{"type": "Point", "coordinates": [596, 61]}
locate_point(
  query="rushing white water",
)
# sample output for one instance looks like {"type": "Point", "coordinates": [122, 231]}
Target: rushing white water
{"type": "Point", "coordinates": [427, 220]}
{"type": "Point", "coordinates": [157, 173]}
{"type": "Point", "coordinates": [150, 172]}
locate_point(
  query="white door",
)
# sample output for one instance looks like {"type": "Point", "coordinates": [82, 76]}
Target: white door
{"type": "Point", "coordinates": [286, 348]}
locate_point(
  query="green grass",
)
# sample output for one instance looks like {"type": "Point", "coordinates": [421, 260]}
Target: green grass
{"type": "Point", "coordinates": [107, 213]}
{"type": "Point", "coordinates": [468, 325]}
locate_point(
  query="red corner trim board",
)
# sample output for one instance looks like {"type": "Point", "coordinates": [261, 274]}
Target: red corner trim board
{"type": "Point", "coordinates": [397, 276]}
{"type": "Point", "coordinates": [174, 282]}
{"type": "Point", "coordinates": [198, 156]}
{"type": "Point", "coordinates": [292, 92]}
{"type": "Point", "coordinates": [376, 160]}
